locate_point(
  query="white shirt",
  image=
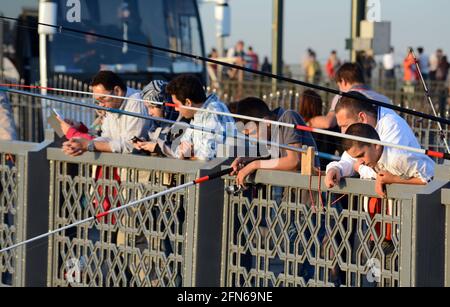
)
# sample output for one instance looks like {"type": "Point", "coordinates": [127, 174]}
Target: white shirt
{"type": "Point", "coordinates": [366, 92]}
{"type": "Point", "coordinates": [402, 163]}
{"type": "Point", "coordinates": [434, 62]}
{"type": "Point", "coordinates": [389, 61]}
{"type": "Point", "coordinates": [118, 129]}
{"type": "Point", "coordinates": [392, 129]}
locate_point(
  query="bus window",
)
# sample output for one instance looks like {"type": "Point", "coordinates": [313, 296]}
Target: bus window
{"type": "Point", "coordinates": [164, 23]}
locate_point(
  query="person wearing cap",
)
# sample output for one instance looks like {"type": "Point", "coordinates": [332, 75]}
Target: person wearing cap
{"type": "Point", "coordinates": [160, 134]}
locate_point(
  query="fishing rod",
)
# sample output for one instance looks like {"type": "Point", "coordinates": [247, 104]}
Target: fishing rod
{"type": "Point", "coordinates": [430, 153]}
{"type": "Point", "coordinates": [167, 104]}
{"type": "Point", "coordinates": [61, 28]}
{"type": "Point", "coordinates": [428, 96]}
{"type": "Point", "coordinates": [171, 122]}
{"type": "Point", "coordinates": [254, 119]}
{"type": "Point", "coordinates": [97, 217]}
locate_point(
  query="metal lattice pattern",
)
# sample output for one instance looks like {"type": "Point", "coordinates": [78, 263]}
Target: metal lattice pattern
{"type": "Point", "coordinates": [141, 246]}
{"type": "Point", "coordinates": [295, 241]}
{"type": "Point", "coordinates": [8, 217]}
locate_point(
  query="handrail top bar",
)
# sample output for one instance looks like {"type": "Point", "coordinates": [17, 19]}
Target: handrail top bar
{"type": "Point", "coordinates": [135, 161]}
{"type": "Point", "coordinates": [347, 186]}
{"type": "Point", "coordinates": [21, 148]}
{"type": "Point", "coordinates": [443, 171]}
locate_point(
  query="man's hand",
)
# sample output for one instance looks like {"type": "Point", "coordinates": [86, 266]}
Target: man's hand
{"type": "Point", "coordinates": [10, 158]}
{"type": "Point", "coordinates": [244, 173]}
{"type": "Point", "coordinates": [146, 146]}
{"type": "Point", "coordinates": [186, 150]}
{"type": "Point", "coordinates": [387, 178]}
{"type": "Point", "coordinates": [332, 178]}
{"type": "Point", "coordinates": [384, 178]}
{"type": "Point", "coordinates": [379, 188]}
{"type": "Point", "coordinates": [75, 147]}
{"type": "Point", "coordinates": [237, 165]}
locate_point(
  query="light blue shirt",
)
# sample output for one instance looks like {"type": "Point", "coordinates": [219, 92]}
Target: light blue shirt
{"type": "Point", "coordinates": [205, 144]}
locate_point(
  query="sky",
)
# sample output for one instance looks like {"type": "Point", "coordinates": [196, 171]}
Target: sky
{"type": "Point", "coordinates": [325, 24]}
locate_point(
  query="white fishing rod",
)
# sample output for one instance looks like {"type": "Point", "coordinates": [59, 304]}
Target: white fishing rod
{"type": "Point", "coordinates": [171, 122]}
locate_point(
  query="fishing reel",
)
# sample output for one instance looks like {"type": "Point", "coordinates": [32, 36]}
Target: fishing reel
{"type": "Point", "coordinates": [236, 190]}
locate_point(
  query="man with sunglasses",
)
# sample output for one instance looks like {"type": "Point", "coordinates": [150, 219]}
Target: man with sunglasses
{"type": "Point", "coordinates": [117, 130]}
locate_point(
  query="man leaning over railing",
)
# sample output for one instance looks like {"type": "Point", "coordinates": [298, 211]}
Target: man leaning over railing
{"type": "Point", "coordinates": [349, 78]}
{"type": "Point", "coordinates": [390, 127]}
{"type": "Point", "coordinates": [188, 91]}
{"type": "Point", "coordinates": [117, 130]}
{"type": "Point", "coordinates": [388, 165]}
{"type": "Point", "coordinates": [280, 159]}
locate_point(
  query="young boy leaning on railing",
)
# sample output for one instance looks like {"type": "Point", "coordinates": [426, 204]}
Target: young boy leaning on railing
{"type": "Point", "coordinates": [388, 165]}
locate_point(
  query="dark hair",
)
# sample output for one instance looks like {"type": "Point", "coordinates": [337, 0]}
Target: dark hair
{"type": "Point", "coordinates": [361, 130]}
{"type": "Point", "coordinates": [232, 107]}
{"type": "Point", "coordinates": [351, 73]}
{"type": "Point", "coordinates": [310, 105]}
{"type": "Point", "coordinates": [420, 50]}
{"type": "Point", "coordinates": [109, 80]}
{"type": "Point", "coordinates": [253, 107]}
{"type": "Point", "coordinates": [187, 87]}
{"type": "Point", "coordinates": [356, 105]}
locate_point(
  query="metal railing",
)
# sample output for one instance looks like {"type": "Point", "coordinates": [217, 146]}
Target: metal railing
{"type": "Point", "coordinates": [159, 243]}
{"type": "Point", "coordinates": [284, 231]}
{"type": "Point", "coordinates": [23, 210]}
{"type": "Point", "coordinates": [444, 174]}
{"type": "Point", "coordinates": [446, 203]}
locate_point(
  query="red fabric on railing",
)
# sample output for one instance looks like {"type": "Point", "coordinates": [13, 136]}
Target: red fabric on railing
{"type": "Point", "coordinates": [82, 132]}
{"type": "Point", "coordinates": [375, 207]}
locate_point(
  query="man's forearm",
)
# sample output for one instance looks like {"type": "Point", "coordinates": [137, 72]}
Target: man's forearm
{"type": "Point", "coordinates": [282, 164]}
{"type": "Point", "coordinates": [323, 122]}
{"type": "Point", "coordinates": [412, 181]}
{"type": "Point", "coordinates": [102, 146]}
